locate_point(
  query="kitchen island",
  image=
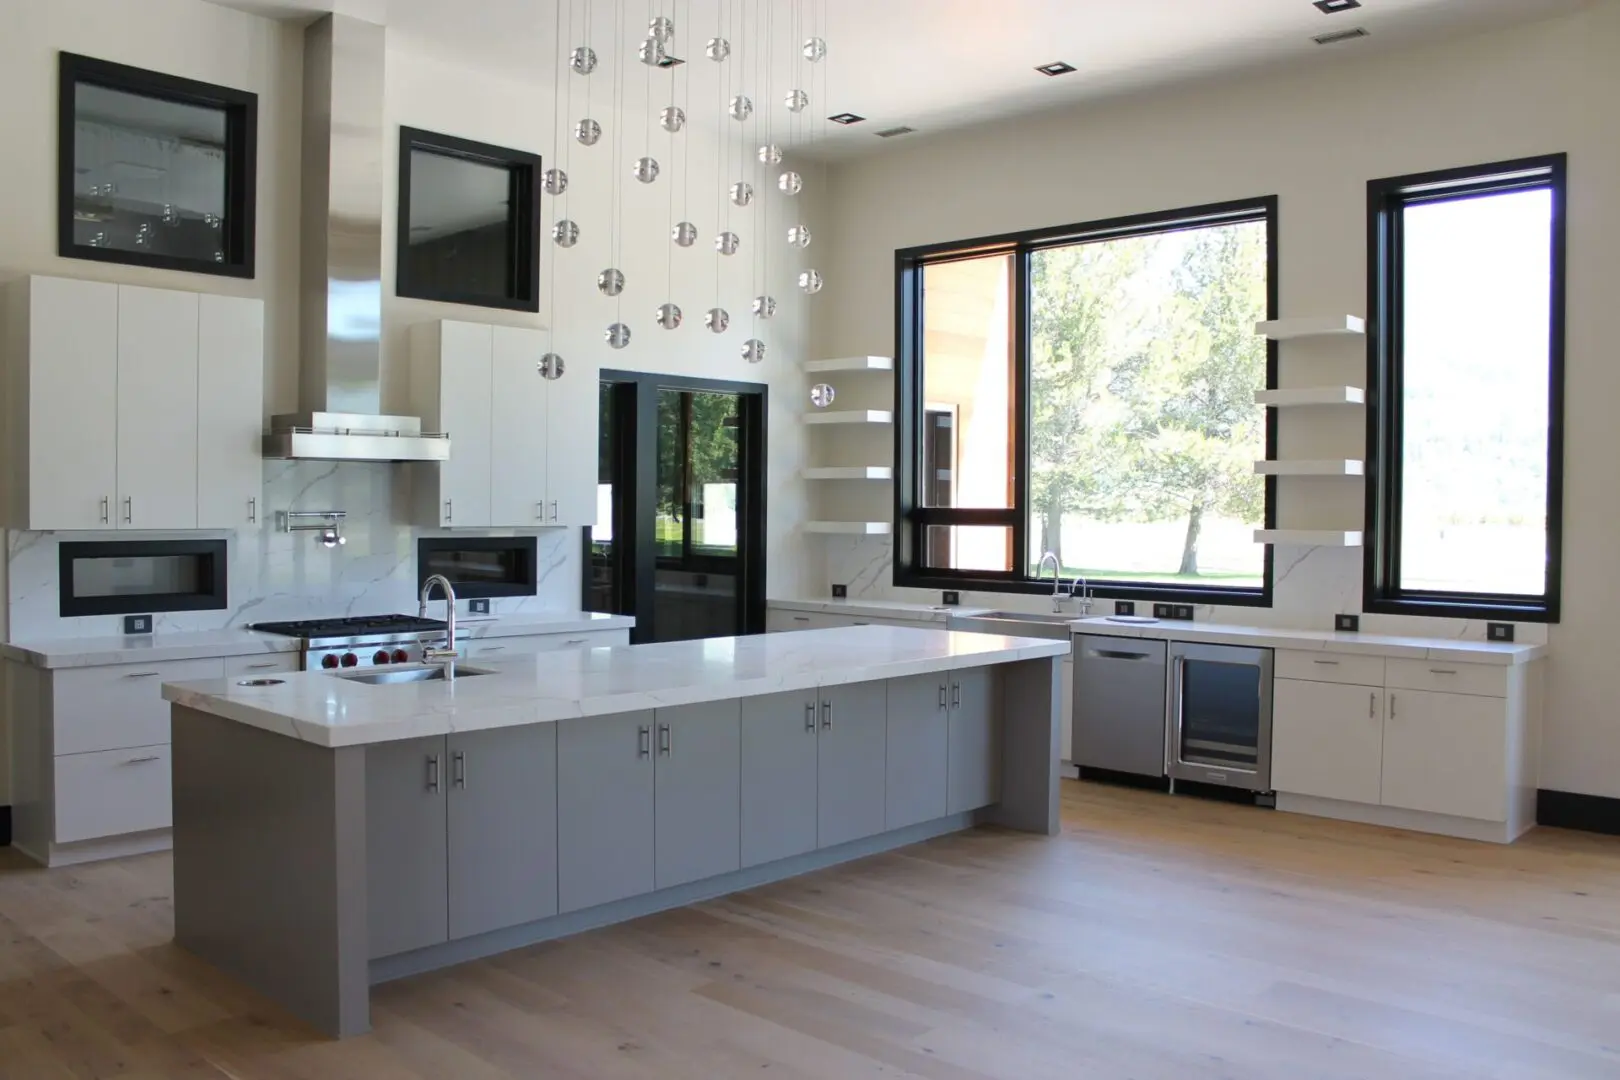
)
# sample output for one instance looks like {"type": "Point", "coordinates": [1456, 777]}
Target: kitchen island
{"type": "Point", "coordinates": [331, 833]}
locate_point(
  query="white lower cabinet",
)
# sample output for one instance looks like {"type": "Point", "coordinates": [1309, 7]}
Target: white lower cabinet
{"type": "Point", "coordinates": [1327, 740]}
{"type": "Point", "coordinates": [111, 792]}
{"type": "Point", "coordinates": [1446, 754]}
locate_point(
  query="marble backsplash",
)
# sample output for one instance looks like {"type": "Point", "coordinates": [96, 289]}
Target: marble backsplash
{"type": "Point", "coordinates": [275, 575]}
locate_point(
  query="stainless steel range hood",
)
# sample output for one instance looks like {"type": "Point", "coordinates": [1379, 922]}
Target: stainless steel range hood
{"type": "Point", "coordinates": [340, 273]}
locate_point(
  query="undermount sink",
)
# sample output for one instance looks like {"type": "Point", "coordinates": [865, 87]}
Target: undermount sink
{"type": "Point", "coordinates": [392, 675]}
{"type": "Point", "coordinates": [1059, 618]}
{"type": "Point", "coordinates": [1017, 623]}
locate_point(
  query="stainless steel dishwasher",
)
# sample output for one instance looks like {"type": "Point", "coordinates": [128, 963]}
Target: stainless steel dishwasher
{"type": "Point", "coordinates": [1119, 704]}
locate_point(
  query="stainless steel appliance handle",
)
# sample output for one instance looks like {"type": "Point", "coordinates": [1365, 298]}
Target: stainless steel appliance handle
{"type": "Point", "coordinates": [458, 769]}
{"type": "Point", "coordinates": [433, 773]}
{"type": "Point", "coordinates": [1174, 704]}
{"type": "Point", "coordinates": [1117, 654]}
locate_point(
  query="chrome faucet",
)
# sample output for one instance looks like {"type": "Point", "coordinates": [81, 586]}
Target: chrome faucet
{"type": "Point", "coordinates": [432, 654]}
{"type": "Point", "coordinates": [1057, 578]}
{"type": "Point", "coordinates": [1082, 588]}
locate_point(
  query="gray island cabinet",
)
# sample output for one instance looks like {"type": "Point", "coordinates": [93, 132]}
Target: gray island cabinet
{"type": "Point", "coordinates": [330, 835]}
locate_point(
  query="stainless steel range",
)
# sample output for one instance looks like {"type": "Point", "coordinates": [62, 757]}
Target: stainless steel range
{"type": "Point", "coordinates": [360, 642]}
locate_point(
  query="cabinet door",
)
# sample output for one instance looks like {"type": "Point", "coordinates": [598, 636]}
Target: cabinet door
{"type": "Point", "coordinates": [466, 375]}
{"type": "Point", "coordinates": [975, 733]}
{"type": "Point", "coordinates": [572, 403]}
{"type": "Point", "coordinates": [518, 430]}
{"type": "Point", "coordinates": [1446, 754]}
{"type": "Point", "coordinates": [157, 409]}
{"type": "Point", "coordinates": [850, 763]}
{"type": "Point", "coordinates": [698, 799]}
{"type": "Point", "coordinates": [406, 861]}
{"type": "Point", "coordinates": [1327, 740]}
{"type": "Point", "coordinates": [72, 405]}
{"type": "Point", "coordinates": [778, 776]}
{"type": "Point", "coordinates": [916, 750]}
{"type": "Point", "coordinates": [604, 809]}
{"type": "Point", "coordinates": [1066, 711]}
{"type": "Point", "coordinates": [230, 411]}
{"type": "Point", "coordinates": [502, 807]}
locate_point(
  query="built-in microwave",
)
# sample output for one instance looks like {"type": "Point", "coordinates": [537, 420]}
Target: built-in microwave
{"type": "Point", "coordinates": [480, 566]}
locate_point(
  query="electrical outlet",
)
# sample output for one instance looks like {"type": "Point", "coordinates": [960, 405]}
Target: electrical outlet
{"type": "Point", "coordinates": [479, 606]}
{"type": "Point", "coordinates": [950, 597]}
{"type": "Point", "coordinates": [840, 592]}
{"type": "Point", "coordinates": [1498, 631]}
{"type": "Point", "coordinates": [137, 624]}
{"type": "Point", "coordinates": [1183, 612]}
{"type": "Point", "coordinates": [1164, 611]}
{"type": "Point", "coordinates": [1347, 623]}
{"type": "Point", "coordinates": [1124, 607]}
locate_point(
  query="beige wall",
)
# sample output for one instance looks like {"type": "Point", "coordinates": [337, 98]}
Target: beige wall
{"type": "Point", "coordinates": [1314, 136]}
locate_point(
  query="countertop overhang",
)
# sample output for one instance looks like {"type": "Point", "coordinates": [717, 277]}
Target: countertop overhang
{"type": "Point", "coordinates": [1400, 646]}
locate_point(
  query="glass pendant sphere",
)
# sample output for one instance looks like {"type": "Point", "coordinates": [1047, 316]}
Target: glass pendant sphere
{"type": "Point", "coordinates": [662, 28]}
{"type": "Point", "coordinates": [684, 234]}
{"type": "Point", "coordinates": [646, 170]}
{"type": "Point", "coordinates": [669, 316]}
{"type": "Point", "coordinates": [610, 282]}
{"type": "Point", "coordinates": [727, 243]}
{"type": "Point", "coordinates": [764, 306]}
{"type": "Point", "coordinates": [617, 336]}
{"type": "Point", "coordinates": [717, 49]}
{"type": "Point", "coordinates": [588, 132]}
{"type": "Point", "coordinates": [810, 281]}
{"type": "Point", "coordinates": [565, 233]}
{"type": "Point", "coordinates": [770, 154]}
{"type": "Point", "coordinates": [555, 181]}
{"type": "Point", "coordinates": [672, 119]}
{"type": "Point", "coordinates": [799, 236]}
{"type": "Point", "coordinates": [741, 107]}
{"type": "Point", "coordinates": [821, 395]}
{"type": "Point", "coordinates": [652, 52]}
{"type": "Point", "coordinates": [753, 350]}
{"type": "Point", "coordinates": [742, 193]}
{"type": "Point", "coordinates": [582, 60]}
{"type": "Point", "coordinates": [815, 49]}
{"type": "Point", "coordinates": [796, 100]}
{"type": "Point", "coordinates": [717, 319]}
{"type": "Point", "coordinates": [790, 183]}
{"type": "Point", "coordinates": [551, 366]}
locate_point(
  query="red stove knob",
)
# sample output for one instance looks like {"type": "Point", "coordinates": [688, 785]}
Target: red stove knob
{"type": "Point", "coordinates": [401, 656]}
{"type": "Point", "coordinates": [329, 661]}
{"type": "Point", "coordinates": [381, 657]}
{"type": "Point", "coordinates": [350, 660]}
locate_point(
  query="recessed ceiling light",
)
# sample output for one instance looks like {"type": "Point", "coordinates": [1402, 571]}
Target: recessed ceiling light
{"type": "Point", "coordinates": [670, 61]}
{"type": "Point", "coordinates": [846, 118]}
{"type": "Point", "coordinates": [1329, 7]}
{"type": "Point", "coordinates": [1340, 35]}
{"type": "Point", "coordinates": [1056, 67]}
{"type": "Point", "coordinates": [889, 133]}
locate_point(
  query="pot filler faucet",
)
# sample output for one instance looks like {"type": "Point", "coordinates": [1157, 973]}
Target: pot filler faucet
{"type": "Point", "coordinates": [447, 655]}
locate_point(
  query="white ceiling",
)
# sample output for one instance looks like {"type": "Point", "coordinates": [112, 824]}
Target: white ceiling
{"type": "Point", "coordinates": [931, 64]}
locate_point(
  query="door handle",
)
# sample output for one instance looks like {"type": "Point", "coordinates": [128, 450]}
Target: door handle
{"type": "Point", "coordinates": [253, 510]}
{"type": "Point", "coordinates": [105, 509]}
{"type": "Point", "coordinates": [262, 667]}
{"type": "Point", "coordinates": [553, 509]}
{"type": "Point", "coordinates": [129, 509]}
{"type": "Point", "coordinates": [810, 714]}
{"type": "Point", "coordinates": [1326, 663]}
{"type": "Point", "coordinates": [142, 760]}
{"type": "Point", "coordinates": [643, 741]}
{"type": "Point", "coordinates": [826, 716]}
{"type": "Point", "coordinates": [942, 695]}
{"type": "Point", "coordinates": [458, 769]}
{"type": "Point", "coordinates": [141, 674]}
{"type": "Point", "coordinates": [666, 740]}
{"type": "Point", "coordinates": [1442, 671]}
{"type": "Point", "coordinates": [956, 695]}
{"type": "Point", "coordinates": [539, 511]}
{"type": "Point", "coordinates": [433, 773]}
{"type": "Point", "coordinates": [1372, 704]}
{"type": "Point", "coordinates": [449, 505]}
{"type": "Point", "coordinates": [1392, 706]}
{"type": "Point", "coordinates": [575, 641]}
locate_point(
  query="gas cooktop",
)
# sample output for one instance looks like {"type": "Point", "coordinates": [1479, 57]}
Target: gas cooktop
{"type": "Point", "coordinates": [351, 627]}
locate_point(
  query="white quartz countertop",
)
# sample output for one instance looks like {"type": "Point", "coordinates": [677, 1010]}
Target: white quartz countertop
{"type": "Point", "coordinates": [331, 711]}
{"type": "Point", "coordinates": [1456, 650]}
{"type": "Point", "coordinates": [878, 609]}
{"type": "Point", "coordinates": [202, 644]}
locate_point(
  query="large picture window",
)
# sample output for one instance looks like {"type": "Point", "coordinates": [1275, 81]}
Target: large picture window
{"type": "Point", "coordinates": [1089, 391]}
{"type": "Point", "coordinates": [1465, 361]}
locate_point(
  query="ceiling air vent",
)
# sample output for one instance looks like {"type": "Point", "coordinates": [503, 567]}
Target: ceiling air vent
{"type": "Point", "coordinates": [1340, 35]}
{"type": "Point", "coordinates": [889, 133]}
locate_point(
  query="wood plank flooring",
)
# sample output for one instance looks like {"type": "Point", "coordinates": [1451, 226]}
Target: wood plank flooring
{"type": "Point", "coordinates": [1156, 937]}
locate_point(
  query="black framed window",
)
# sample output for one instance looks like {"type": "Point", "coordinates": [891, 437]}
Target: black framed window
{"type": "Point", "coordinates": [122, 577]}
{"type": "Point", "coordinates": [1089, 391]}
{"type": "Point", "coordinates": [469, 222]}
{"type": "Point", "coordinates": [1465, 371]}
{"type": "Point", "coordinates": [154, 170]}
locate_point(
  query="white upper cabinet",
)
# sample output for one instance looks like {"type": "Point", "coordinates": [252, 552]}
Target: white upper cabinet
{"type": "Point", "coordinates": [230, 411]}
{"type": "Point", "coordinates": [572, 451]}
{"type": "Point", "coordinates": [114, 423]}
{"type": "Point", "coordinates": [520, 429]}
{"type": "Point", "coordinates": [451, 384]}
{"type": "Point", "coordinates": [157, 412]}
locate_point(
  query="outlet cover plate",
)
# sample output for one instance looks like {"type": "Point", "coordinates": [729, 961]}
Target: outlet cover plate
{"type": "Point", "coordinates": [950, 597]}
{"type": "Point", "coordinates": [1183, 612]}
{"type": "Point", "coordinates": [479, 606]}
{"type": "Point", "coordinates": [137, 624]}
{"type": "Point", "coordinates": [1124, 607]}
{"type": "Point", "coordinates": [1498, 631]}
{"type": "Point", "coordinates": [840, 592]}
{"type": "Point", "coordinates": [1347, 623]}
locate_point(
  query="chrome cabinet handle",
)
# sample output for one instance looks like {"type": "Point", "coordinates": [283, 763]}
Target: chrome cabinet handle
{"type": "Point", "coordinates": [262, 667]}
{"type": "Point", "coordinates": [826, 716]}
{"type": "Point", "coordinates": [1392, 706]}
{"type": "Point", "coordinates": [553, 509]}
{"type": "Point", "coordinates": [129, 509]}
{"type": "Point", "coordinates": [449, 505]}
{"type": "Point", "coordinates": [492, 648]}
{"type": "Point", "coordinates": [810, 714]}
{"type": "Point", "coordinates": [666, 740]}
{"type": "Point", "coordinates": [942, 695]}
{"type": "Point", "coordinates": [1372, 705]}
{"type": "Point", "coordinates": [1326, 663]}
{"type": "Point", "coordinates": [574, 641]}
{"type": "Point", "coordinates": [643, 741]}
{"type": "Point", "coordinates": [1442, 671]}
{"type": "Point", "coordinates": [105, 509]}
{"type": "Point", "coordinates": [142, 674]}
{"type": "Point", "coordinates": [143, 760]}
{"type": "Point", "coordinates": [956, 695]}
{"type": "Point", "coordinates": [433, 773]}
{"type": "Point", "coordinates": [253, 510]}
{"type": "Point", "coordinates": [458, 769]}
{"type": "Point", "coordinates": [801, 618]}
{"type": "Point", "coordinates": [539, 511]}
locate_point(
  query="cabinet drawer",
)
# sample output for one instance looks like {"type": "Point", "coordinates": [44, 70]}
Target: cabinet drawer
{"type": "Point", "coordinates": [112, 792]}
{"type": "Point", "coordinates": [110, 708]}
{"type": "Point", "coordinates": [260, 664]}
{"type": "Point", "coordinates": [1329, 667]}
{"type": "Point", "coordinates": [1485, 680]}
{"type": "Point", "coordinates": [779, 619]}
{"type": "Point", "coordinates": [493, 649]}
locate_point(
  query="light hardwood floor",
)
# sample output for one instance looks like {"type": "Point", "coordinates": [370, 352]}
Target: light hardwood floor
{"type": "Point", "coordinates": [1156, 937]}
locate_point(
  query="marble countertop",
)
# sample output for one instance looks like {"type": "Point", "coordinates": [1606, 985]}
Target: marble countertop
{"type": "Point", "coordinates": [203, 644]}
{"type": "Point", "coordinates": [1455, 650]}
{"type": "Point", "coordinates": [331, 711]}
{"type": "Point", "coordinates": [878, 609]}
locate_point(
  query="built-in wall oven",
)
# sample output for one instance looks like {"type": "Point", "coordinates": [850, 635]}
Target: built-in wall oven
{"type": "Point", "coordinates": [1218, 715]}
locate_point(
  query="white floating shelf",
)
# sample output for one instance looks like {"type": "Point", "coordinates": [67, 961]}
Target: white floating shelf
{"type": "Point", "coordinates": [1284, 329]}
{"type": "Point", "coordinates": [1309, 537]}
{"type": "Point", "coordinates": [1301, 467]}
{"type": "Point", "coordinates": [1314, 395]}
{"type": "Point", "coordinates": [862, 416]}
{"type": "Point", "coordinates": [848, 528]}
{"type": "Point", "coordinates": [853, 472]}
{"type": "Point", "coordinates": [851, 363]}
